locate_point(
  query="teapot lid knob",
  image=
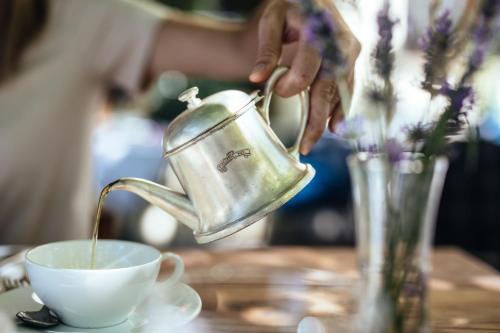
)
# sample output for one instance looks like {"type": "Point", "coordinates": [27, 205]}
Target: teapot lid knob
{"type": "Point", "coordinates": [189, 96]}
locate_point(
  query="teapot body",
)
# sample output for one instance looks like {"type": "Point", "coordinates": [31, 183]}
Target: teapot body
{"type": "Point", "coordinates": [237, 174]}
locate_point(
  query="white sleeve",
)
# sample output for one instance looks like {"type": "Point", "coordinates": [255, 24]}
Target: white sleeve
{"type": "Point", "coordinates": [124, 40]}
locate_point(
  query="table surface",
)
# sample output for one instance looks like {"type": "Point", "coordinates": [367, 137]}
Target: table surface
{"type": "Point", "coordinates": [273, 289]}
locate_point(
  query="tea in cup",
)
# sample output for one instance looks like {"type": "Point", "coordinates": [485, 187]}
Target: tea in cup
{"type": "Point", "coordinates": [123, 276]}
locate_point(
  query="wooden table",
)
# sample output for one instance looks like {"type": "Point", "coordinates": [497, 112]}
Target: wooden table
{"type": "Point", "coordinates": [271, 290]}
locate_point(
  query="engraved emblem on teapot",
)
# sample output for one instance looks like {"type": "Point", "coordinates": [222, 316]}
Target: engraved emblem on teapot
{"type": "Point", "coordinates": [232, 155]}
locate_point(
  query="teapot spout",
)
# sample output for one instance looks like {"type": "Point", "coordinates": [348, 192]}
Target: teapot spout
{"type": "Point", "coordinates": [175, 203]}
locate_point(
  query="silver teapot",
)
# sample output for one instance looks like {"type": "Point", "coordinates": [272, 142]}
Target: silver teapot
{"type": "Point", "coordinates": [231, 164]}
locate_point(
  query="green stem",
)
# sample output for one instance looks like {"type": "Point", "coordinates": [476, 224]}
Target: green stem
{"type": "Point", "coordinates": [402, 243]}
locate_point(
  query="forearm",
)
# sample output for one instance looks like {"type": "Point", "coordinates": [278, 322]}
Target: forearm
{"type": "Point", "coordinates": [203, 47]}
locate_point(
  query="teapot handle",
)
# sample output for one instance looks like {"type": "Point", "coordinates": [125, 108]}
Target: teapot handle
{"type": "Point", "coordinates": [304, 110]}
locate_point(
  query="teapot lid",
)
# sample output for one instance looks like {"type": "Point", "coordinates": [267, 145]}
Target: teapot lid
{"type": "Point", "coordinates": [203, 117]}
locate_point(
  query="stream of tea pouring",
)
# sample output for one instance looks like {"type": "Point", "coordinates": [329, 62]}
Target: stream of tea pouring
{"type": "Point", "coordinates": [95, 232]}
{"type": "Point", "coordinates": [175, 203]}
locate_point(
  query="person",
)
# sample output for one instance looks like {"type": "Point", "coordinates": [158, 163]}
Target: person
{"type": "Point", "coordinates": [57, 58]}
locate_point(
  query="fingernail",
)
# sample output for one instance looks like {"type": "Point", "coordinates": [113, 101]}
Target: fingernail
{"type": "Point", "coordinates": [259, 67]}
{"type": "Point", "coordinates": [305, 148]}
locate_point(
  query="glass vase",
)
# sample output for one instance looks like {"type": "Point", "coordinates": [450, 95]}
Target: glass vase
{"type": "Point", "coordinates": [395, 208]}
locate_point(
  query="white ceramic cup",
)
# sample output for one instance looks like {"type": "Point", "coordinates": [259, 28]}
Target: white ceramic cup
{"type": "Point", "coordinates": [124, 274]}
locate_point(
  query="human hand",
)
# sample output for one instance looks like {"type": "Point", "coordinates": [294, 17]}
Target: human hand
{"type": "Point", "coordinates": [282, 24]}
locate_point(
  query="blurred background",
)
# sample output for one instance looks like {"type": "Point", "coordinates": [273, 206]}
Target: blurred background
{"type": "Point", "coordinates": [127, 143]}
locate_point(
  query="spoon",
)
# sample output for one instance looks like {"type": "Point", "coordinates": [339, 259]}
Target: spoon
{"type": "Point", "coordinates": [41, 318]}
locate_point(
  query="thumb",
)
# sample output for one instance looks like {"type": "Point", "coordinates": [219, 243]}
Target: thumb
{"type": "Point", "coordinates": [271, 27]}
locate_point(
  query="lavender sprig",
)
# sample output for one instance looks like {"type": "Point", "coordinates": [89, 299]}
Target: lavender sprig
{"type": "Point", "coordinates": [321, 33]}
{"type": "Point", "coordinates": [436, 44]}
{"type": "Point", "coordinates": [383, 59]}
{"type": "Point", "coordinates": [452, 120]}
{"type": "Point", "coordinates": [417, 132]}
{"type": "Point", "coordinates": [394, 150]}
{"type": "Point", "coordinates": [383, 54]}
{"type": "Point", "coordinates": [460, 97]}
{"type": "Point", "coordinates": [481, 37]}
{"type": "Point", "coordinates": [457, 97]}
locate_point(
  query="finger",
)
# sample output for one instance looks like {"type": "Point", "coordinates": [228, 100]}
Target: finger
{"type": "Point", "coordinates": [322, 99]}
{"type": "Point", "coordinates": [288, 52]}
{"type": "Point", "coordinates": [338, 113]}
{"type": "Point", "coordinates": [337, 116]}
{"type": "Point", "coordinates": [305, 67]}
{"type": "Point", "coordinates": [350, 80]}
{"type": "Point", "coordinates": [271, 28]}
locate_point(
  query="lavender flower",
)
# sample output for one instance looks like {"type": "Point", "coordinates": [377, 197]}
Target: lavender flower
{"type": "Point", "coordinates": [394, 150]}
{"type": "Point", "coordinates": [351, 129]}
{"type": "Point", "coordinates": [477, 57]}
{"type": "Point", "coordinates": [461, 97]}
{"type": "Point", "coordinates": [457, 96]}
{"type": "Point", "coordinates": [481, 37]}
{"type": "Point", "coordinates": [383, 58]}
{"type": "Point", "coordinates": [383, 53]}
{"type": "Point", "coordinates": [375, 94]}
{"type": "Point", "coordinates": [373, 149]}
{"type": "Point", "coordinates": [418, 132]}
{"type": "Point", "coordinates": [436, 44]}
{"type": "Point", "coordinates": [452, 120]}
{"type": "Point", "coordinates": [321, 34]}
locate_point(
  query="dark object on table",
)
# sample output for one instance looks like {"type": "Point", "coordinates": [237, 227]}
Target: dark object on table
{"type": "Point", "coordinates": [41, 318]}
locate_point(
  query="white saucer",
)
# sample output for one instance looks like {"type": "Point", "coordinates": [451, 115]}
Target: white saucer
{"type": "Point", "coordinates": [166, 308]}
